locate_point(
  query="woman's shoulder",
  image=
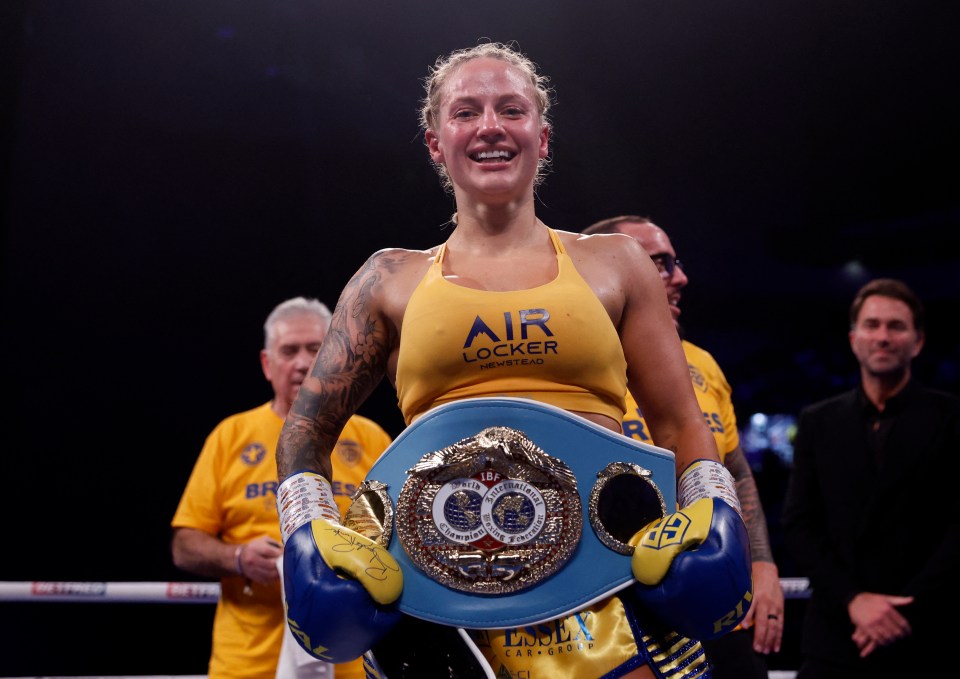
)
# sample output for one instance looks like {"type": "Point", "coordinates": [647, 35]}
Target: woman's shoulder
{"type": "Point", "coordinates": [400, 261]}
{"type": "Point", "coordinates": [391, 274]}
{"type": "Point", "coordinates": [612, 251]}
{"type": "Point", "coordinates": [385, 282]}
{"type": "Point", "coordinates": [389, 256]}
{"type": "Point", "coordinates": [599, 243]}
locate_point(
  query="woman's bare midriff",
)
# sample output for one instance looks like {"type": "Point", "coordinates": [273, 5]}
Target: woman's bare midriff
{"type": "Point", "coordinates": [602, 420]}
{"type": "Point", "coordinates": [640, 673]}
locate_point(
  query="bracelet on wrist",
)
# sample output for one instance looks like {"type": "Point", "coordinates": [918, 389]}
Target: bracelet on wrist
{"type": "Point", "coordinates": [236, 555]}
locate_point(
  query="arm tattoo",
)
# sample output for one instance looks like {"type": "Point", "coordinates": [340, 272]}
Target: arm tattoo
{"type": "Point", "coordinates": [350, 364]}
{"type": "Point", "coordinates": [753, 516]}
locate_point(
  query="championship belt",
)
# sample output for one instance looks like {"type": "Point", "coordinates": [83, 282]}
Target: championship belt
{"type": "Point", "coordinates": [504, 512]}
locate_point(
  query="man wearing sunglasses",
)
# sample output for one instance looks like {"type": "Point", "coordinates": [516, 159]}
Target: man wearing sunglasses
{"type": "Point", "coordinates": [740, 653]}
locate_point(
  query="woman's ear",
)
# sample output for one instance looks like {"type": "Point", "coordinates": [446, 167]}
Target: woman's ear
{"type": "Point", "coordinates": [433, 145]}
{"type": "Point", "coordinates": [544, 141]}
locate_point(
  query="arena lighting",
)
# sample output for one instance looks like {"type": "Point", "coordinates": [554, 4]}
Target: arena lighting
{"type": "Point", "coordinates": [855, 270]}
{"type": "Point", "coordinates": [769, 431]}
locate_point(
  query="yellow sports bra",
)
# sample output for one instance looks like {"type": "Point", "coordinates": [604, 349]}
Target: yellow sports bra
{"type": "Point", "coordinates": [554, 343]}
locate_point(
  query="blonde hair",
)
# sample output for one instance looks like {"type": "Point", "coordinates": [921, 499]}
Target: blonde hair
{"type": "Point", "coordinates": [440, 72]}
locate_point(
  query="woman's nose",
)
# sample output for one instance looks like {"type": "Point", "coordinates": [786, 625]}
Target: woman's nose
{"type": "Point", "coordinates": [490, 123]}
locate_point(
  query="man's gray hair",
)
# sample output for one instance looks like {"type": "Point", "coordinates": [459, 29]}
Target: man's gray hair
{"type": "Point", "coordinates": [293, 307]}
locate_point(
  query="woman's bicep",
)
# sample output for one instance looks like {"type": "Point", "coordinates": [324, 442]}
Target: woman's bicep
{"type": "Point", "coordinates": [658, 375]}
{"type": "Point", "coordinates": [349, 365]}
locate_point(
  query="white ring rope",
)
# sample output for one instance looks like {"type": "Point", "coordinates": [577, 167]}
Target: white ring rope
{"type": "Point", "coordinates": [112, 592]}
{"type": "Point", "coordinates": [795, 588]}
{"type": "Point", "coordinates": [188, 592]}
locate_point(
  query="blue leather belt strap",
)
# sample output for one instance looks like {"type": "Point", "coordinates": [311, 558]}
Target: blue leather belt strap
{"type": "Point", "coordinates": [592, 573]}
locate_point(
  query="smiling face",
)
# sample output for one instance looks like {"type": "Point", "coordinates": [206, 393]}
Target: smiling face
{"type": "Point", "coordinates": [884, 338]}
{"type": "Point", "coordinates": [489, 135]}
{"type": "Point", "coordinates": [657, 244]}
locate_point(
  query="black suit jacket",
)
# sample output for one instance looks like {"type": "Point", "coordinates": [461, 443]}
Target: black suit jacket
{"type": "Point", "coordinates": [854, 525]}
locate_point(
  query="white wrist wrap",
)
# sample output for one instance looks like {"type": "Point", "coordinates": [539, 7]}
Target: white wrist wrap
{"type": "Point", "coordinates": [706, 478]}
{"type": "Point", "coordinates": [302, 498]}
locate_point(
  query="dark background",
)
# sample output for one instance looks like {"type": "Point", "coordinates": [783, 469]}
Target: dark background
{"type": "Point", "coordinates": [172, 169]}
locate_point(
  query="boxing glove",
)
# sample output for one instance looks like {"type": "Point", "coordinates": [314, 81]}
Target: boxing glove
{"type": "Point", "coordinates": [339, 586]}
{"type": "Point", "coordinates": [693, 567]}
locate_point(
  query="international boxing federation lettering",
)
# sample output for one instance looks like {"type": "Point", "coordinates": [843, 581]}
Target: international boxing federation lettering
{"type": "Point", "coordinates": [490, 514]}
{"type": "Point", "coordinates": [519, 338]}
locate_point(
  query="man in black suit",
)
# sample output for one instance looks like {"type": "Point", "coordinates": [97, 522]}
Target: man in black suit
{"type": "Point", "coordinates": [870, 513]}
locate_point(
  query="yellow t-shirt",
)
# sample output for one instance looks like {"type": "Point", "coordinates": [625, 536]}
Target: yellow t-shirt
{"type": "Point", "coordinates": [713, 394]}
{"type": "Point", "coordinates": [231, 493]}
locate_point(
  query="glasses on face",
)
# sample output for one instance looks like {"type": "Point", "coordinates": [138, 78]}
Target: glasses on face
{"type": "Point", "coordinates": [666, 264]}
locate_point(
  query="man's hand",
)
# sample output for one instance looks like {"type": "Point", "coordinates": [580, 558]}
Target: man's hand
{"type": "Point", "coordinates": [766, 611]}
{"type": "Point", "coordinates": [257, 559]}
{"type": "Point", "coordinates": [877, 621]}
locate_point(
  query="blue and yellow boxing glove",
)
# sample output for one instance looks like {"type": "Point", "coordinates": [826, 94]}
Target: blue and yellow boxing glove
{"type": "Point", "coordinates": [339, 586]}
{"type": "Point", "coordinates": [693, 567]}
